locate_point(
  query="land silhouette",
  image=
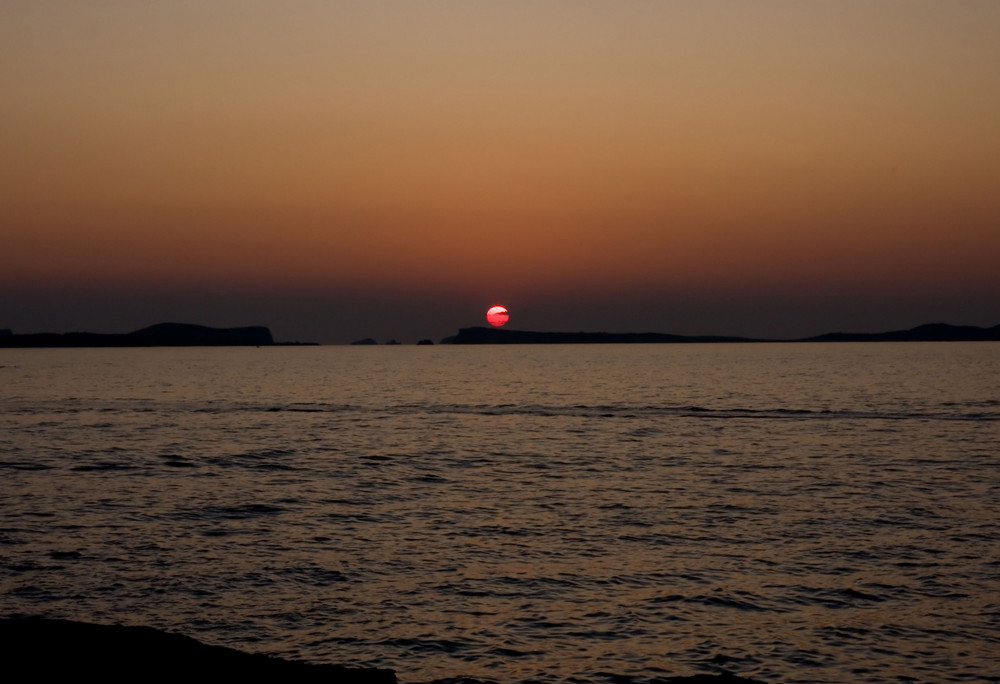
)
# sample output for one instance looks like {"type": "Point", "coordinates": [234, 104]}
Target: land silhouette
{"type": "Point", "coordinates": [931, 332]}
{"type": "Point", "coordinates": [188, 335]}
{"type": "Point", "coordinates": [159, 335]}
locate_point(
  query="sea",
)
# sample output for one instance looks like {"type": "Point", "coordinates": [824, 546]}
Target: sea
{"type": "Point", "coordinates": [788, 512]}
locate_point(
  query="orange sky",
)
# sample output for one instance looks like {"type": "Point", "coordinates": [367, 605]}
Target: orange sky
{"type": "Point", "coordinates": [647, 155]}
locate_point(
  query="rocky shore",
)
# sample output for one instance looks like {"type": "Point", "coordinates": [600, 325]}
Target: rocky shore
{"type": "Point", "coordinates": [46, 649]}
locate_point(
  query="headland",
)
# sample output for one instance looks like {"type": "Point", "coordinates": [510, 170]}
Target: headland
{"type": "Point", "coordinates": [160, 335]}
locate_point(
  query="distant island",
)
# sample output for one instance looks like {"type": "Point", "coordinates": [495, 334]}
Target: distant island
{"type": "Point", "coordinates": [160, 335]}
{"type": "Point", "coordinates": [931, 332]}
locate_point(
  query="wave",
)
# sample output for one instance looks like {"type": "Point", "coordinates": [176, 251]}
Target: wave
{"type": "Point", "coordinates": [967, 411]}
{"type": "Point", "coordinates": [945, 412]}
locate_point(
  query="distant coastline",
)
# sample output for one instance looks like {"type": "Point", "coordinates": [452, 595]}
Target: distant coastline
{"type": "Point", "coordinates": [931, 332]}
{"type": "Point", "coordinates": [160, 335]}
{"type": "Point", "coordinates": [188, 335]}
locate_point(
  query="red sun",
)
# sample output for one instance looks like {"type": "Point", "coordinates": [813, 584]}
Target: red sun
{"type": "Point", "coordinates": [497, 316]}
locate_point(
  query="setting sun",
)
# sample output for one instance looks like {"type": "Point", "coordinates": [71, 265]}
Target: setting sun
{"type": "Point", "coordinates": [497, 316]}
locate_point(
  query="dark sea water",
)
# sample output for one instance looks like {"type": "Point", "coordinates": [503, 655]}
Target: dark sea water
{"type": "Point", "coordinates": [789, 512]}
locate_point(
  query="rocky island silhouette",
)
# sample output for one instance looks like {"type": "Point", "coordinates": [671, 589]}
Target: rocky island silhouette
{"type": "Point", "coordinates": [159, 335]}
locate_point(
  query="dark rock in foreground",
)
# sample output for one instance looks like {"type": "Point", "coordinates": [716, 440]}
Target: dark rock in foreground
{"type": "Point", "coordinates": [45, 649]}
{"type": "Point", "coordinates": [724, 678]}
{"type": "Point", "coordinates": [62, 650]}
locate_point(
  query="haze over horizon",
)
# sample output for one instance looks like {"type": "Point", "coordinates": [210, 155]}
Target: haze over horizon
{"type": "Point", "coordinates": [391, 169]}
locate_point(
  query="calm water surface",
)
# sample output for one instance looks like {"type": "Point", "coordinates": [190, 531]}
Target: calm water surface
{"type": "Point", "coordinates": [790, 512]}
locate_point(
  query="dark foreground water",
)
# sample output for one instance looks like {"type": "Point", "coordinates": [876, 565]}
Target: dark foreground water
{"type": "Point", "coordinates": [794, 513]}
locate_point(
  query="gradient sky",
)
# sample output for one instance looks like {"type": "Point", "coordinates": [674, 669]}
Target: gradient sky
{"type": "Point", "coordinates": [337, 170]}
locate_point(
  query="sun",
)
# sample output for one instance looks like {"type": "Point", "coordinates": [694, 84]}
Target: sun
{"type": "Point", "coordinates": [497, 315]}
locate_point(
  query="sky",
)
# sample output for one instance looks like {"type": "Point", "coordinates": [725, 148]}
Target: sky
{"type": "Point", "coordinates": [340, 170]}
